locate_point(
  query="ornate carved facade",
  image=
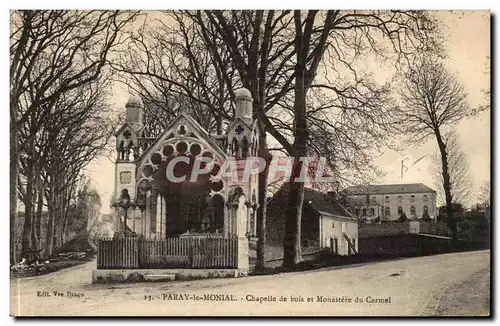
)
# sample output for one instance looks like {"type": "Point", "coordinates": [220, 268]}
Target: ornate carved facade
{"type": "Point", "coordinates": [211, 204]}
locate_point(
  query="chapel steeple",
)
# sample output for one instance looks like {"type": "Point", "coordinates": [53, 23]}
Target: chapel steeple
{"type": "Point", "coordinates": [242, 132]}
{"type": "Point", "coordinates": [134, 111]}
{"type": "Point", "coordinates": [127, 137]}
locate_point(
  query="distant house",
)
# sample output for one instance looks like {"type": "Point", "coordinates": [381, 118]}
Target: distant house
{"type": "Point", "coordinates": [325, 223]}
{"type": "Point", "coordinates": [389, 202]}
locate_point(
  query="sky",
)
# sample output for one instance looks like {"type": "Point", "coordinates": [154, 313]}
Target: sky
{"type": "Point", "coordinates": [467, 41]}
{"type": "Point", "coordinates": [468, 44]}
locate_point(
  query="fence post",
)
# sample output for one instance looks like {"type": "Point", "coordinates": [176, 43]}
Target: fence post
{"type": "Point", "coordinates": [99, 253]}
{"type": "Point", "coordinates": [190, 254]}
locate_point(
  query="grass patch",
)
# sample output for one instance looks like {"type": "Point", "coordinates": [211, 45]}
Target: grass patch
{"type": "Point", "coordinates": [42, 269]}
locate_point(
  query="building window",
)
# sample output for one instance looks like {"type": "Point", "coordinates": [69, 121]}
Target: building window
{"type": "Point", "coordinates": [387, 211]}
{"type": "Point", "coordinates": [426, 198]}
{"type": "Point", "coordinates": [412, 210]}
{"type": "Point", "coordinates": [364, 211]}
{"type": "Point", "coordinates": [387, 200]}
{"type": "Point", "coordinates": [372, 211]}
{"type": "Point", "coordinates": [426, 209]}
{"type": "Point", "coordinates": [400, 210]}
{"type": "Point", "coordinates": [400, 199]}
{"type": "Point", "coordinates": [374, 199]}
{"type": "Point", "coordinates": [412, 198]}
{"type": "Point", "coordinates": [357, 212]}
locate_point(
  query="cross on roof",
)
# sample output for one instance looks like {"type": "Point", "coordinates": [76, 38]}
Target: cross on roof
{"type": "Point", "coordinates": [239, 129]}
{"type": "Point", "coordinates": [127, 134]}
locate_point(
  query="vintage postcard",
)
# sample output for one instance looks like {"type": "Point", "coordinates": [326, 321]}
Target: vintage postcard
{"type": "Point", "coordinates": [250, 163]}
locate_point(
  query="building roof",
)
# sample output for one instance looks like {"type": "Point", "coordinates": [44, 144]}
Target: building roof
{"type": "Point", "coordinates": [243, 93]}
{"type": "Point", "coordinates": [202, 134]}
{"type": "Point", "coordinates": [324, 203]}
{"type": "Point", "coordinates": [134, 101]}
{"type": "Point", "coordinates": [404, 188]}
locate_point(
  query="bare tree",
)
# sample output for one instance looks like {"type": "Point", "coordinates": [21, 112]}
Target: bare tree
{"type": "Point", "coordinates": [78, 134]}
{"type": "Point", "coordinates": [257, 50]}
{"type": "Point", "coordinates": [308, 57]}
{"type": "Point", "coordinates": [169, 66]}
{"type": "Point", "coordinates": [74, 132]}
{"type": "Point", "coordinates": [432, 102]}
{"type": "Point", "coordinates": [51, 53]}
{"type": "Point", "coordinates": [485, 194]}
{"type": "Point", "coordinates": [363, 121]}
{"type": "Point", "coordinates": [458, 165]}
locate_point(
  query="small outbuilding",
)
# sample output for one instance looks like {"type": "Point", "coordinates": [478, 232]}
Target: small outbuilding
{"type": "Point", "coordinates": [325, 223]}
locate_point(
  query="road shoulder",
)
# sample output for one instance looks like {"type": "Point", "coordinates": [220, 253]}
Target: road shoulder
{"type": "Point", "coordinates": [468, 298]}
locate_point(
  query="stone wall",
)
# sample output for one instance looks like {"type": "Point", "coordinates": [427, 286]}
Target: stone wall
{"type": "Point", "coordinates": [398, 228]}
{"type": "Point", "coordinates": [434, 228]}
{"type": "Point", "coordinates": [384, 229]}
{"type": "Point", "coordinates": [403, 245]}
{"type": "Point", "coordinates": [163, 275]}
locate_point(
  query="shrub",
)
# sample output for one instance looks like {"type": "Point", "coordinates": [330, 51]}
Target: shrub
{"type": "Point", "coordinates": [426, 217]}
{"type": "Point", "coordinates": [403, 217]}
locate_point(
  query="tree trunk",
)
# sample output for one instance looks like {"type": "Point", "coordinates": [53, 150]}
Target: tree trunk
{"type": "Point", "coordinates": [292, 254]}
{"type": "Point", "coordinates": [49, 235]}
{"type": "Point", "coordinates": [292, 243]}
{"type": "Point", "coordinates": [218, 116]}
{"type": "Point", "coordinates": [262, 209]}
{"type": "Point", "coordinates": [263, 149]}
{"type": "Point", "coordinates": [35, 206]}
{"type": "Point", "coordinates": [64, 228]}
{"type": "Point", "coordinates": [27, 239]}
{"type": "Point", "coordinates": [14, 166]}
{"type": "Point", "coordinates": [71, 189]}
{"type": "Point", "coordinates": [34, 236]}
{"type": "Point", "coordinates": [451, 221]}
{"type": "Point", "coordinates": [38, 214]}
{"type": "Point", "coordinates": [64, 224]}
{"type": "Point", "coordinates": [58, 226]}
{"type": "Point", "coordinates": [218, 122]}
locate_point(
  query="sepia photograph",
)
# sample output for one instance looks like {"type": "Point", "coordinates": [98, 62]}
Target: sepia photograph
{"type": "Point", "coordinates": [250, 163]}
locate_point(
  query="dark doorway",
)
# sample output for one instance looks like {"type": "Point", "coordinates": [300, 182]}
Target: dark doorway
{"type": "Point", "coordinates": [189, 207]}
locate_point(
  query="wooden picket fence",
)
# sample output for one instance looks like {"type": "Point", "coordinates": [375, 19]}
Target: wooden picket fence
{"type": "Point", "coordinates": [118, 253]}
{"type": "Point", "coordinates": [178, 252]}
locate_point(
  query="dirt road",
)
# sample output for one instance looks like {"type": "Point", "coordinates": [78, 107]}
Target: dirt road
{"type": "Point", "coordinates": [434, 285]}
{"type": "Point", "coordinates": [467, 298]}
